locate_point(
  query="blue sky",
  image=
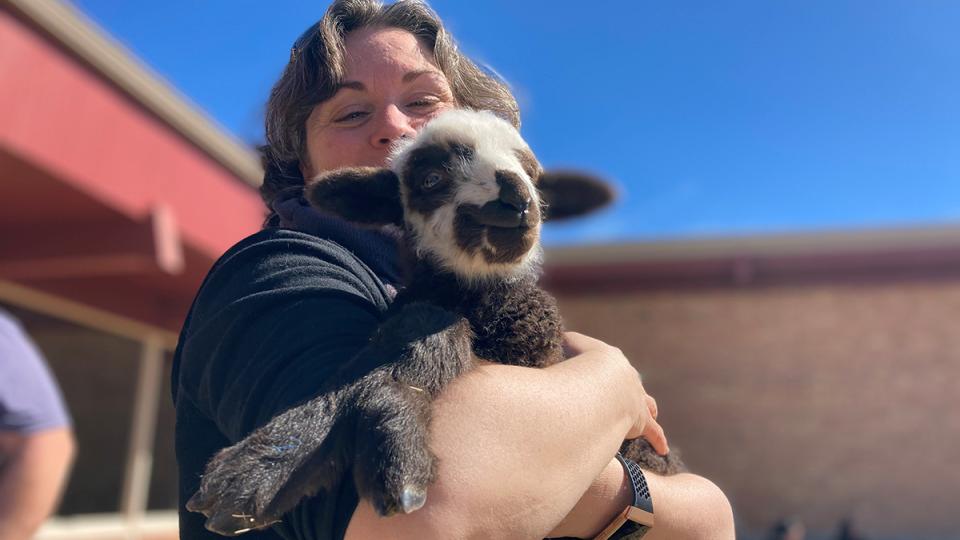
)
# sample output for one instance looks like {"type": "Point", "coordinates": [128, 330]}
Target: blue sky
{"type": "Point", "coordinates": [713, 118]}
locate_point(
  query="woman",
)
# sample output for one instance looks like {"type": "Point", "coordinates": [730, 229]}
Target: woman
{"type": "Point", "coordinates": [522, 453]}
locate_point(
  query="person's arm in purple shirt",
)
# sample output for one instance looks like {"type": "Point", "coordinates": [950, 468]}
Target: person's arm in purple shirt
{"type": "Point", "coordinates": [36, 439]}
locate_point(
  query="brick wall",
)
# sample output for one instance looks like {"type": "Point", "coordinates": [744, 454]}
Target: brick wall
{"type": "Point", "coordinates": [819, 401]}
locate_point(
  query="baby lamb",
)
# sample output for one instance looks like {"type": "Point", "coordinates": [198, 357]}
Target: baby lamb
{"type": "Point", "coordinates": [470, 197]}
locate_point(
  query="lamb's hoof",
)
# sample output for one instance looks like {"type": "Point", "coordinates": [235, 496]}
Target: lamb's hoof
{"type": "Point", "coordinates": [225, 521]}
{"type": "Point", "coordinates": [238, 489]}
{"type": "Point", "coordinates": [412, 499]}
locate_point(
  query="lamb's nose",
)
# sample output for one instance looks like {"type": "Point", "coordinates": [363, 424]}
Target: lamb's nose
{"type": "Point", "coordinates": [512, 191]}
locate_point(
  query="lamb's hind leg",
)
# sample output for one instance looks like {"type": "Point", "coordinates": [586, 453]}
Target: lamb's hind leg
{"type": "Point", "coordinates": [642, 452]}
{"type": "Point", "coordinates": [394, 464]}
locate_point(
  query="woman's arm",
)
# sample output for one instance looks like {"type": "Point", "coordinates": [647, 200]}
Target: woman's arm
{"type": "Point", "coordinates": [518, 448]}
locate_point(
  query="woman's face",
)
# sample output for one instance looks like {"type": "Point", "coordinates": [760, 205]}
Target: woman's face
{"type": "Point", "coordinates": [391, 88]}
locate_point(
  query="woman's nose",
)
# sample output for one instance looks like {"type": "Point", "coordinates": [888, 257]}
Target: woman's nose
{"type": "Point", "coordinates": [392, 125]}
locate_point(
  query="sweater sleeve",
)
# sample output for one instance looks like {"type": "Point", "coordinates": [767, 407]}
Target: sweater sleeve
{"type": "Point", "coordinates": [276, 316]}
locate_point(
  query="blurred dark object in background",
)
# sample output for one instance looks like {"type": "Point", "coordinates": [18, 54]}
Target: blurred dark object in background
{"type": "Point", "coordinates": [788, 529]}
{"type": "Point", "coordinates": [848, 531]}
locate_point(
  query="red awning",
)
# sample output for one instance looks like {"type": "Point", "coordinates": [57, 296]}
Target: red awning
{"type": "Point", "coordinates": [102, 201]}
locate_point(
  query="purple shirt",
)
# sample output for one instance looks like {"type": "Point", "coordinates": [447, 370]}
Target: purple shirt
{"type": "Point", "coordinates": [30, 400]}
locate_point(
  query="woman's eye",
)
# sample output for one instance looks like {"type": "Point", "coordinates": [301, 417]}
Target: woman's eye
{"type": "Point", "coordinates": [431, 180]}
{"type": "Point", "coordinates": [351, 117]}
{"type": "Point", "coordinates": [423, 103]}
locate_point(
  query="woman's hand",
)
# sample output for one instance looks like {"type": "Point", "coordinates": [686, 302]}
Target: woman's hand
{"type": "Point", "coordinates": [645, 425]}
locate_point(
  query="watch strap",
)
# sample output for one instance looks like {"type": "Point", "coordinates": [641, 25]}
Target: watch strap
{"type": "Point", "coordinates": [641, 492]}
{"type": "Point", "coordinates": [636, 519]}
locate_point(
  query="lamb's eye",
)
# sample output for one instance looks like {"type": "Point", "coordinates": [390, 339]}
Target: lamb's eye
{"type": "Point", "coordinates": [431, 180]}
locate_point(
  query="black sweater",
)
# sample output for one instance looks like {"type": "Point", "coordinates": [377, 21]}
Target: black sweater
{"type": "Point", "coordinates": [276, 315]}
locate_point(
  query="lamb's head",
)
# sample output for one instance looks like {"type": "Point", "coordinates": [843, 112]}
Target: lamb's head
{"type": "Point", "coordinates": [468, 191]}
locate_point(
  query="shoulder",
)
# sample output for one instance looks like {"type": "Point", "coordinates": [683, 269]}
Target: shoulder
{"type": "Point", "coordinates": [271, 298]}
{"type": "Point", "coordinates": [9, 327]}
{"type": "Point", "coordinates": [274, 246]}
{"type": "Point", "coordinates": [291, 263]}
{"type": "Point", "coordinates": [16, 348]}
{"type": "Point", "coordinates": [281, 276]}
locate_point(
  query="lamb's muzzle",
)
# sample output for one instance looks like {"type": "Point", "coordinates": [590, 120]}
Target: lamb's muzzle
{"type": "Point", "coordinates": [498, 214]}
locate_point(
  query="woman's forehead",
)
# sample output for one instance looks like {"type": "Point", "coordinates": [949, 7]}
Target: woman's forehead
{"type": "Point", "coordinates": [373, 52]}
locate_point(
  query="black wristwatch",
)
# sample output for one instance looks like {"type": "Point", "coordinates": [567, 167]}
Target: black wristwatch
{"type": "Point", "coordinates": [636, 519]}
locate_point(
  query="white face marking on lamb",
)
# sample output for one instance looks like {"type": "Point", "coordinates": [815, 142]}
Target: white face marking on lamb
{"type": "Point", "coordinates": [470, 202]}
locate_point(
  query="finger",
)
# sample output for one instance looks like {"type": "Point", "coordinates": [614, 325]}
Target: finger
{"type": "Point", "coordinates": [654, 434]}
{"type": "Point", "coordinates": [652, 406]}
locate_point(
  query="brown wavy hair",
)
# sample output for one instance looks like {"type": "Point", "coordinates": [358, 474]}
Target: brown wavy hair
{"type": "Point", "coordinates": [316, 68]}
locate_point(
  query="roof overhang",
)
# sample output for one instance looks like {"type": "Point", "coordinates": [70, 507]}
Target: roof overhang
{"type": "Point", "coordinates": [761, 259]}
{"type": "Point", "coordinates": [105, 202]}
{"type": "Point", "coordinates": [81, 37]}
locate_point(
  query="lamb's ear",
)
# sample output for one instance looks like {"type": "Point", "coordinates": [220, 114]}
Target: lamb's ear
{"type": "Point", "coordinates": [568, 194]}
{"type": "Point", "coordinates": [367, 195]}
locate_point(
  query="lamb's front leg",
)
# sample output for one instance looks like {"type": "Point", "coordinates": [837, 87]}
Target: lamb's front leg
{"type": "Point", "coordinates": [254, 482]}
{"type": "Point", "coordinates": [379, 421]}
{"type": "Point", "coordinates": [247, 486]}
{"type": "Point", "coordinates": [394, 464]}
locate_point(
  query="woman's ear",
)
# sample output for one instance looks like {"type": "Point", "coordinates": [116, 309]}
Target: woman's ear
{"type": "Point", "coordinates": [367, 195]}
{"type": "Point", "coordinates": [568, 194]}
